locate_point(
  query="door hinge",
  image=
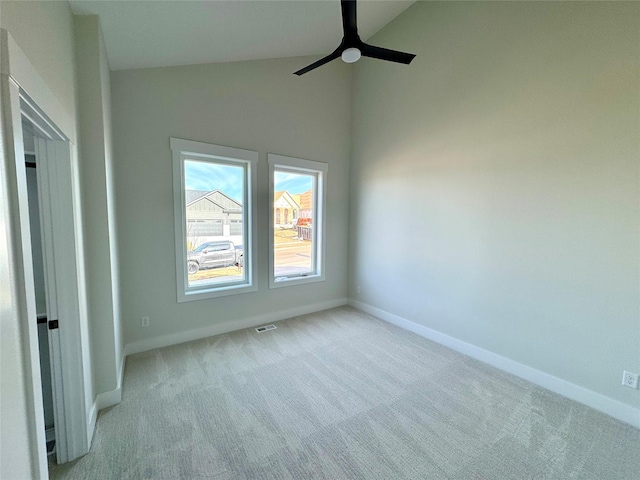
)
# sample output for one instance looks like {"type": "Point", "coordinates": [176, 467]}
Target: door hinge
{"type": "Point", "coordinates": [53, 324]}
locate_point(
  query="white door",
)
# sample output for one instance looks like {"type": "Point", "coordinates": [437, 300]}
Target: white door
{"type": "Point", "coordinates": [60, 217]}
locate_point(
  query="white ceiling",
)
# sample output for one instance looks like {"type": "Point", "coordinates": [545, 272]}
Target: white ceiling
{"type": "Point", "coordinates": [154, 33]}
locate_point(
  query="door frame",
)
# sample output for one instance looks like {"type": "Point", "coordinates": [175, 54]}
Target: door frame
{"type": "Point", "coordinates": [26, 95]}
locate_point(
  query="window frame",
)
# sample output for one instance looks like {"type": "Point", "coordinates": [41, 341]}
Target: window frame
{"type": "Point", "coordinates": [190, 150]}
{"type": "Point", "coordinates": [320, 171]}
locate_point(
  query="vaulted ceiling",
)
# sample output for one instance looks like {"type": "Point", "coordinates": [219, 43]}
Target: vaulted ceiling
{"type": "Point", "coordinates": [151, 33]}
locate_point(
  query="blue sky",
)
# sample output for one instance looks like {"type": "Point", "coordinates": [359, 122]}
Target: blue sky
{"type": "Point", "coordinates": [207, 176]}
{"type": "Point", "coordinates": [292, 182]}
{"type": "Point", "coordinates": [229, 179]}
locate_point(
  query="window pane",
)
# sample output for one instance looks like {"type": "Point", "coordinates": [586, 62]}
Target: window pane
{"type": "Point", "coordinates": [214, 193]}
{"type": "Point", "coordinates": [294, 215]}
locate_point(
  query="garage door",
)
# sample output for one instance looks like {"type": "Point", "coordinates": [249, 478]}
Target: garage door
{"type": "Point", "coordinates": [236, 227]}
{"type": "Point", "coordinates": [204, 228]}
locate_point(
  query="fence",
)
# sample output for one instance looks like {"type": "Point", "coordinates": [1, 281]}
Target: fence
{"type": "Point", "coordinates": [304, 233]}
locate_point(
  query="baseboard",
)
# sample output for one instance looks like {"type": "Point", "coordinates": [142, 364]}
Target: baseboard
{"type": "Point", "coordinates": [597, 401]}
{"type": "Point", "coordinates": [105, 400]}
{"type": "Point", "coordinates": [113, 397]}
{"type": "Point", "coordinates": [109, 399]}
{"type": "Point", "coordinates": [226, 327]}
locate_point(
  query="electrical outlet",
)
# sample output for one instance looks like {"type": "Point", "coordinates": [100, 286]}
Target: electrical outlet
{"type": "Point", "coordinates": [630, 379]}
{"type": "Point", "coordinates": [145, 321]}
{"type": "Point", "coordinates": [358, 288]}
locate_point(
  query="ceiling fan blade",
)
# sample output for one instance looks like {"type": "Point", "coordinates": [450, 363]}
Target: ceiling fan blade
{"type": "Point", "coordinates": [319, 63]}
{"type": "Point", "coordinates": [351, 43]}
{"type": "Point", "coordinates": [349, 22]}
{"type": "Point", "coordinates": [386, 54]}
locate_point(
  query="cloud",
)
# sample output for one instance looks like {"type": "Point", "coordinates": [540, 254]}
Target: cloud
{"type": "Point", "coordinates": [292, 182]}
{"type": "Point", "coordinates": [229, 179]}
{"type": "Point", "coordinates": [207, 176]}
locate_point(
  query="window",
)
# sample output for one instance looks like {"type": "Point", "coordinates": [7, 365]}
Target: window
{"type": "Point", "coordinates": [214, 205]}
{"type": "Point", "coordinates": [297, 190]}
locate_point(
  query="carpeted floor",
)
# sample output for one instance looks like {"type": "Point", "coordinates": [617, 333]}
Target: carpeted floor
{"type": "Point", "coordinates": [338, 395]}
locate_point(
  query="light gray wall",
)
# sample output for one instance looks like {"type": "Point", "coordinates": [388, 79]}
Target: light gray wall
{"type": "Point", "coordinates": [258, 106]}
{"type": "Point", "coordinates": [494, 182]}
{"type": "Point", "coordinates": [44, 32]}
{"type": "Point", "coordinates": [105, 79]}
{"type": "Point", "coordinates": [94, 120]}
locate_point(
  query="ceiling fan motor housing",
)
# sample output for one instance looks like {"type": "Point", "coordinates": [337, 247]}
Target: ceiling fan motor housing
{"type": "Point", "coordinates": [352, 47]}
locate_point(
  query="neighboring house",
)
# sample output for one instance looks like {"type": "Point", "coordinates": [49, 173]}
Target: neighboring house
{"type": "Point", "coordinates": [306, 204]}
{"type": "Point", "coordinates": [285, 209]}
{"type": "Point", "coordinates": [211, 214]}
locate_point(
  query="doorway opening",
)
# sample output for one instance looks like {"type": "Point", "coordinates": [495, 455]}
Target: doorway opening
{"type": "Point", "coordinates": [44, 247]}
{"type": "Point", "coordinates": [39, 277]}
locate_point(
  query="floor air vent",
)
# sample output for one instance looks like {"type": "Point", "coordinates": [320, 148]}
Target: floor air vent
{"type": "Point", "coordinates": [265, 328]}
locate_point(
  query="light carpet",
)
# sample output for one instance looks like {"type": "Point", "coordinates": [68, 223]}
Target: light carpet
{"type": "Point", "coordinates": [342, 395]}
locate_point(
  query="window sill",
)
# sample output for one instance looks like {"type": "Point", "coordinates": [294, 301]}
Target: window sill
{"type": "Point", "coordinates": [215, 292]}
{"type": "Point", "coordinates": [292, 281]}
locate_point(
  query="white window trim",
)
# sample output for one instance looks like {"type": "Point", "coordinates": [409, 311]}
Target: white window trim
{"type": "Point", "coordinates": [187, 148]}
{"type": "Point", "coordinates": [303, 166]}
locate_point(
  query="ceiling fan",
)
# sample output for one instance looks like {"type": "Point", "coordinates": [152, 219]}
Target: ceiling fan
{"type": "Point", "coordinates": [352, 48]}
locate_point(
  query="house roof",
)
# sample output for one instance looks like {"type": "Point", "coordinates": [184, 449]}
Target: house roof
{"type": "Point", "coordinates": [287, 197]}
{"type": "Point", "coordinates": [306, 200]}
{"type": "Point", "coordinates": [192, 196]}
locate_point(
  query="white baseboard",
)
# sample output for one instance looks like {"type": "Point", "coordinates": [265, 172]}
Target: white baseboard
{"type": "Point", "coordinates": [109, 399]}
{"type": "Point", "coordinates": [105, 400]}
{"type": "Point", "coordinates": [112, 397]}
{"type": "Point", "coordinates": [226, 327]}
{"type": "Point", "coordinates": [597, 401]}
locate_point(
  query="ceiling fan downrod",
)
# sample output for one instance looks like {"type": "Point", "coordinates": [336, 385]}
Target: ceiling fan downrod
{"type": "Point", "coordinates": [352, 47]}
